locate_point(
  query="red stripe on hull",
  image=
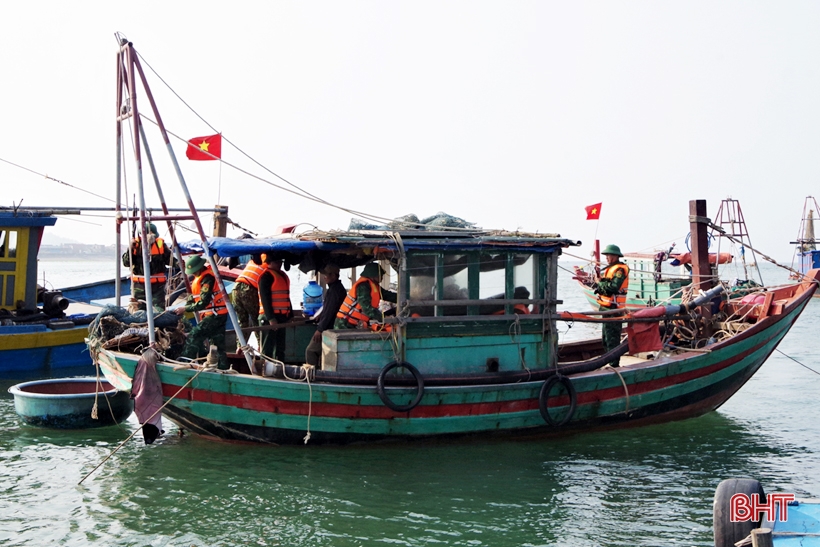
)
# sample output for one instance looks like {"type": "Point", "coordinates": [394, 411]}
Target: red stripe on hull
{"type": "Point", "coordinates": [331, 410]}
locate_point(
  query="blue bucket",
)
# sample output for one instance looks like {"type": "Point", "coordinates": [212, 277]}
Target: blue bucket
{"type": "Point", "coordinates": [312, 298]}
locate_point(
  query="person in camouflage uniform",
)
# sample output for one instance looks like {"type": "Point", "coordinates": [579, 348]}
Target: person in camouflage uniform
{"type": "Point", "coordinates": [361, 305]}
{"type": "Point", "coordinates": [159, 260]}
{"type": "Point", "coordinates": [207, 299]}
{"type": "Point", "coordinates": [611, 290]}
{"type": "Point", "coordinates": [245, 294]}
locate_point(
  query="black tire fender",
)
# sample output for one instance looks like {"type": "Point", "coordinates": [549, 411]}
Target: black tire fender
{"type": "Point", "coordinates": [543, 399]}
{"type": "Point", "coordinates": [726, 532]}
{"type": "Point", "coordinates": [383, 393]}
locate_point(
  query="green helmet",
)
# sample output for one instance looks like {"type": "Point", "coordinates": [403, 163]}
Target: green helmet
{"type": "Point", "coordinates": [194, 264]}
{"type": "Point", "coordinates": [612, 250]}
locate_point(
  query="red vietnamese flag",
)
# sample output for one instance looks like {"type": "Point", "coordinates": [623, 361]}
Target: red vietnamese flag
{"type": "Point", "coordinates": [201, 148]}
{"type": "Point", "coordinates": [593, 211]}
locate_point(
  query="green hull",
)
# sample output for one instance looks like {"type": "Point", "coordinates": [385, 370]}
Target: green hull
{"type": "Point", "coordinates": [252, 408]}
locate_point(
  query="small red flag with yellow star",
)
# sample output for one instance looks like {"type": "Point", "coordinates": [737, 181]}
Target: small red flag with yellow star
{"type": "Point", "coordinates": [593, 211]}
{"type": "Point", "coordinates": [205, 148]}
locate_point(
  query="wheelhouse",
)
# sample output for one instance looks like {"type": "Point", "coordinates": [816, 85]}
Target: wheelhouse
{"type": "Point", "coordinates": [466, 302]}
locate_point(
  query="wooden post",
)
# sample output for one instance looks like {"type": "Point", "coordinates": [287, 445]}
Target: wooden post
{"type": "Point", "coordinates": [698, 223]}
{"type": "Point", "coordinates": [762, 537]}
{"type": "Point", "coordinates": [221, 221]}
{"type": "Point", "coordinates": [701, 270]}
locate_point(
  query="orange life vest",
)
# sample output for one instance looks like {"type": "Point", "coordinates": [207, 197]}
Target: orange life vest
{"type": "Point", "coordinates": [351, 310]}
{"type": "Point", "coordinates": [217, 305]}
{"type": "Point", "coordinates": [251, 274]}
{"type": "Point", "coordinates": [280, 294]}
{"type": "Point", "coordinates": [520, 309]}
{"type": "Point", "coordinates": [158, 248]}
{"type": "Point", "coordinates": [618, 300]}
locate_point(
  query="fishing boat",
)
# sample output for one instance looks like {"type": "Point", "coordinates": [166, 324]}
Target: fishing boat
{"type": "Point", "coordinates": [71, 403]}
{"type": "Point", "coordinates": [743, 514]}
{"type": "Point", "coordinates": [665, 275]}
{"type": "Point", "coordinates": [39, 330]}
{"type": "Point", "coordinates": [806, 254]}
{"type": "Point", "coordinates": [470, 348]}
{"type": "Point", "coordinates": [472, 364]}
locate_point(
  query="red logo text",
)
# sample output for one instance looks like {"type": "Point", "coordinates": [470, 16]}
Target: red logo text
{"type": "Point", "coordinates": [743, 507]}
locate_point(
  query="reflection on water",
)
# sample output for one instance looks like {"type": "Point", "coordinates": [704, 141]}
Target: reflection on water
{"type": "Point", "coordinates": [647, 486]}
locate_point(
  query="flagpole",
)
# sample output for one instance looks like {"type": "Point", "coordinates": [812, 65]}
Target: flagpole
{"type": "Point", "coordinates": [597, 249]}
{"type": "Point", "coordinates": [219, 184]}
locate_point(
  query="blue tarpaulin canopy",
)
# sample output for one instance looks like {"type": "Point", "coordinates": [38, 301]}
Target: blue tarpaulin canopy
{"type": "Point", "coordinates": [313, 251]}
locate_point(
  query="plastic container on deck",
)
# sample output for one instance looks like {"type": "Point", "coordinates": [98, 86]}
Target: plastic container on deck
{"type": "Point", "coordinates": [312, 298]}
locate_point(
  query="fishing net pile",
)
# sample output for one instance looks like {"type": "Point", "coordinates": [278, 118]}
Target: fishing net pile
{"type": "Point", "coordinates": [116, 328]}
{"type": "Point", "coordinates": [412, 222]}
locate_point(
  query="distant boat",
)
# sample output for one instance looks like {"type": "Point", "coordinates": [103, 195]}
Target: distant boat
{"type": "Point", "coordinates": [665, 276]}
{"type": "Point", "coordinates": [806, 255]}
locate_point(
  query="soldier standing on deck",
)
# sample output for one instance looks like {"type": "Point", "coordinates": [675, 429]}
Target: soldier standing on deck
{"type": "Point", "coordinates": [159, 257]}
{"type": "Point", "coordinates": [611, 290]}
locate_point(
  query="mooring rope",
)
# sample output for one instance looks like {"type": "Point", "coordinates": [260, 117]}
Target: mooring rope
{"type": "Point", "coordinates": [796, 361]}
{"type": "Point", "coordinates": [621, 378]}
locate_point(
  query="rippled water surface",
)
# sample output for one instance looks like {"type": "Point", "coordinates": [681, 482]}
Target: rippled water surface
{"type": "Point", "coordinates": [649, 486]}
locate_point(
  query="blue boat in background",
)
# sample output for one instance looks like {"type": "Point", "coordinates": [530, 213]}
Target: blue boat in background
{"type": "Point", "coordinates": [40, 330]}
{"type": "Point", "coordinates": [806, 254]}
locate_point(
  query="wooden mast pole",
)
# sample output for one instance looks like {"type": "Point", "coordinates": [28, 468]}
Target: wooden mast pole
{"type": "Point", "coordinates": [702, 278]}
{"type": "Point", "coordinates": [135, 63]}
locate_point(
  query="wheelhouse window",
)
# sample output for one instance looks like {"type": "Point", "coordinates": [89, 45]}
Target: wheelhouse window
{"type": "Point", "coordinates": [8, 243]}
{"type": "Point", "coordinates": [437, 282]}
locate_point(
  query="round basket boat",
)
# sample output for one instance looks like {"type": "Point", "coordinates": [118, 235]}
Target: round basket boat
{"type": "Point", "coordinates": [66, 403]}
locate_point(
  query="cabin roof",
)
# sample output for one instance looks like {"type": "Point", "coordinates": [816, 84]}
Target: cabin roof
{"type": "Point", "coordinates": [354, 242]}
{"type": "Point", "coordinates": [25, 218]}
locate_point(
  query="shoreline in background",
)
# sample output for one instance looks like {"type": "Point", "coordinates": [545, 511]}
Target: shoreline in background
{"type": "Point", "coordinates": [75, 251]}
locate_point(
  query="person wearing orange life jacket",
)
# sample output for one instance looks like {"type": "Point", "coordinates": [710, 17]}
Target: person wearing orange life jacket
{"type": "Point", "coordinates": [159, 260]}
{"type": "Point", "coordinates": [274, 307]}
{"type": "Point", "coordinates": [611, 290]}
{"type": "Point", "coordinates": [245, 294]}
{"type": "Point", "coordinates": [211, 303]}
{"type": "Point", "coordinates": [361, 305]}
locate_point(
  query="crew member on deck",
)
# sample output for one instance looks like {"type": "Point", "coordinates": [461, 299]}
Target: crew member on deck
{"type": "Point", "coordinates": [159, 260]}
{"type": "Point", "coordinates": [207, 299]}
{"type": "Point", "coordinates": [611, 290]}
{"type": "Point", "coordinates": [361, 305]}
{"type": "Point", "coordinates": [274, 307]}
{"type": "Point", "coordinates": [245, 294]}
{"type": "Point", "coordinates": [334, 296]}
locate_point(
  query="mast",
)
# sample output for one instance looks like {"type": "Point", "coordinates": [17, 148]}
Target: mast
{"type": "Point", "coordinates": [132, 71]}
{"type": "Point", "coordinates": [808, 234]}
{"type": "Point", "coordinates": [730, 219]}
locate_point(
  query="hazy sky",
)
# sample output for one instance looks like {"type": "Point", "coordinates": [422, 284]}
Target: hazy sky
{"type": "Point", "coordinates": [507, 114]}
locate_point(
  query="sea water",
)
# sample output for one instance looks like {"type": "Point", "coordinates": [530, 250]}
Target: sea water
{"type": "Point", "coordinates": [649, 486]}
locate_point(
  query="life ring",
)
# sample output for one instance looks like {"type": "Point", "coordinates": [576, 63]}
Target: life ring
{"type": "Point", "coordinates": [383, 394]}
{"type": "Point", "coordinates": [727, 533]}
{"type": "Point", "coordinates": [544, 396]}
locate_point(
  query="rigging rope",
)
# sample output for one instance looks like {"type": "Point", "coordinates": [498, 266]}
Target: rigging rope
{"type": "Point", "coordinates": [56, 180]}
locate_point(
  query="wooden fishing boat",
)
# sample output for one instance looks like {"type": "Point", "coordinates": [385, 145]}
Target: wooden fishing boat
{"type": "Point", "coordinates": [69, 403]}
{"type": "Point", "coordinates": [39, 330]}
{"type": "Point", "coordinates": [472, 363]}
{"type": "Point", "coordinates": [471, 347]}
